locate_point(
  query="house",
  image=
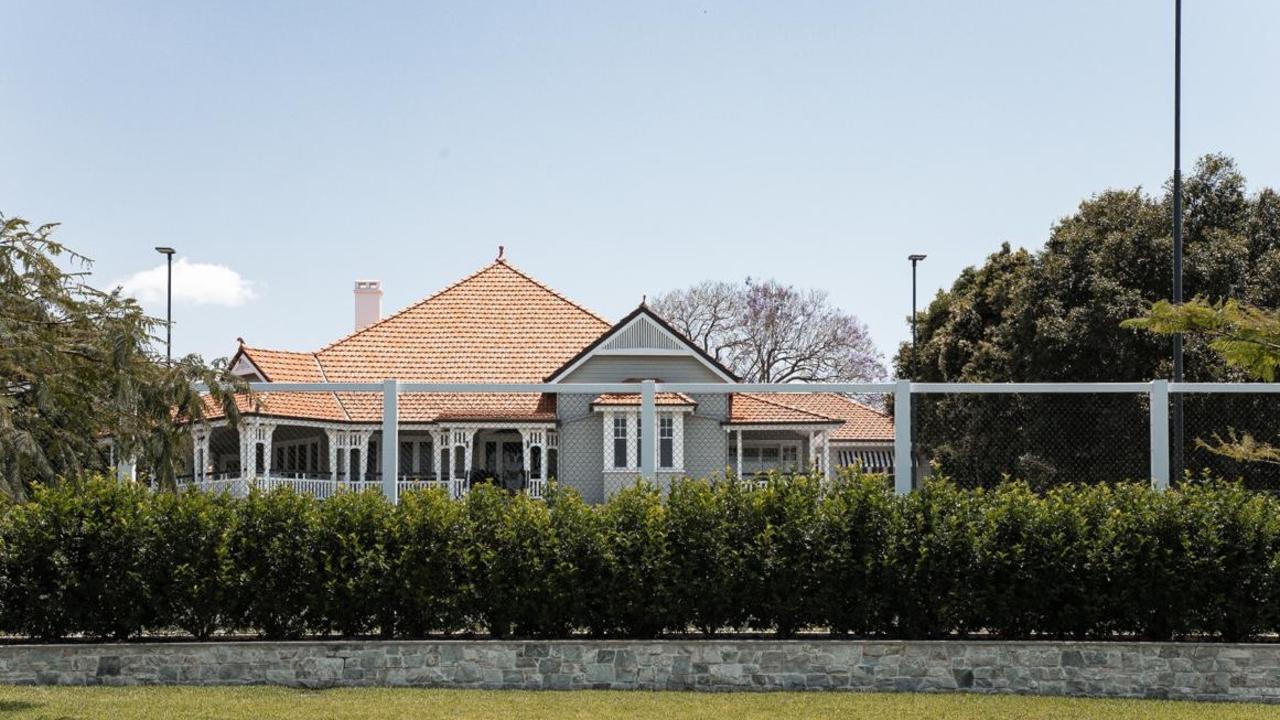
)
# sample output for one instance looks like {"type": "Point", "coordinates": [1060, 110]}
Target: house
{"type": "Point", "coordinates": [501, 325]}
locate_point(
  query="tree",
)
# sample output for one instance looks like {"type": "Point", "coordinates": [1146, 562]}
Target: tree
{"type": "Point", "coordinates": [765, 331]}
{"type": "Point", "coordinates": [77, 370]}
{"type": "Point", "coordinates": [1057, 314]}
{"type": "Point", "coordinates": [1247, 338]}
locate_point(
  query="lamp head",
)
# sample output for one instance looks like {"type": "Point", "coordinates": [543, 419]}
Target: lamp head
{"type": "Point", "coordinates": [915, 258]}
{"type": "Point", "coordinates": [165, 250]}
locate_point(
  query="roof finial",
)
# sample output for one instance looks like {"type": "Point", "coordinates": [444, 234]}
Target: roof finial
{"type": "Point", "coordinates": [501, 251]}
{"type": "Point", "coordinates": [644, 300]}
{"type": "Point", "coordinates": [240, 340]}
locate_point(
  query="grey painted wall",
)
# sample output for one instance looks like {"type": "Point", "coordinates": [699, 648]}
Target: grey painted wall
{"type": "Point", "coordinates": [581, 456]}
{"type": "Point", "coordinates": [617, 368]}
{"type": "Point", "coordinates": [582, 446]}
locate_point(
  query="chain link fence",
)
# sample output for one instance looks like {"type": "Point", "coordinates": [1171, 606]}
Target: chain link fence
{"type": "Point", "coordinates": [978, 436]}
{"type": "Point", "coordinates": [1045, 439]}
{"type": "Point", "coordinates": [1212, 424]}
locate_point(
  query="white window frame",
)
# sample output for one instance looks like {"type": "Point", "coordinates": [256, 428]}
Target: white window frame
{"type": "Point", "coordinates": [666, 422]}
{"type": "Point", "coordinates": [632, 420]}
{"type": "Point", "coordinates": [759, 445]}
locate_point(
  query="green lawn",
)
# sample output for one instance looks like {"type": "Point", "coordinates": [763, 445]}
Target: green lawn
{"type": "Point", "coordinates": [263, 703]}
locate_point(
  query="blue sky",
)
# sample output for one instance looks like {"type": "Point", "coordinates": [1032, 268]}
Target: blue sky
{"type": "Point", "coordinates": [616, 149]}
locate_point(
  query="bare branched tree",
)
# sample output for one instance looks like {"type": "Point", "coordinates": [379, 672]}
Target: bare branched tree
{"type": "Point", "coordinates": [769, 332]}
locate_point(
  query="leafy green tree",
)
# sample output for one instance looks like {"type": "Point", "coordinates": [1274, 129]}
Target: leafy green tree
{"type": "Point", "coordinates": [1057, 315]}
{"type": "Point", "coordinates": [1247, 338]}
{"type": "Point", "coordinates": [77, 367]}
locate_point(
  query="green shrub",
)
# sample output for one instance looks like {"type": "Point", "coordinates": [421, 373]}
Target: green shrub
{"type": "Point", "coordinates": [74, 562]}
{"type": "Point", "coordinates": [1070, 576]}
{"type": "Point", "coordinates": [509, 554]}
{"type": "Point", "coordinates": [709, 581]}
{"type": "Point", "coordinates": [579, 563]}
{"type": "Point", "coordinates": [854, 521]}
{"type": "Point", "coordinates": [108, 560]}
{"type": "Point", "coordinates": [1234, 541]}
{"type": "Point", "coordinates": [275, 562]}
{"type": "Point", "coordinates": [786, 554]}
{"type": "Point", "coordinates": [188, 562]}
{"type": "Point", "coordinates": [638, 564]}
{"type": "Point", "coordinates": [1142, 545]}
{"type": "Point", "coordinates": [351, 539]}
{"type": "Point", "coordinates": [932, 557]}
{"type": "Point", "coordinates": [425, 552]}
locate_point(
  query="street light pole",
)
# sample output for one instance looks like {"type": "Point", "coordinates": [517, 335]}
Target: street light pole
{"type": "Point", "coordinates": [168, 311]}
{"type": "Point", "coordinates": [1177, 232]}
{"type": "Point", "coordinates": [915, 260]}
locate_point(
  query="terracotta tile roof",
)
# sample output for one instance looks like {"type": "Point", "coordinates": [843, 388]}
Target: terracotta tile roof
{"type": "Point", "coordinates": [286, 366]}
{"type": "Point", "coordinates": [496, 325]}
{"type": "Point", "coordinates": [859, 422]}
{"type": "Point", "coordinates": [632, 399]}
{"type": "Point", "coordinates": [758, 409]}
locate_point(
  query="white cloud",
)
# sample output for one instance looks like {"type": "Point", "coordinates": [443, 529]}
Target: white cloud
{"type": "Point", "coordinates": [195, 283]}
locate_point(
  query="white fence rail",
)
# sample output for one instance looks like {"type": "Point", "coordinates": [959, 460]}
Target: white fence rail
{"type": "Point", "coordinates": [1157, 391]}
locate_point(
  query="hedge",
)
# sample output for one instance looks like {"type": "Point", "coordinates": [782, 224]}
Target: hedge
{"type": "Point", "coordinates": [103, 560]}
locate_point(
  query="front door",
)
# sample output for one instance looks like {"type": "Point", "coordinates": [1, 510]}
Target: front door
{"type": "Point", "coordinates": [513, 465]}
{"type": "Point", "coordinates": [504, 462]}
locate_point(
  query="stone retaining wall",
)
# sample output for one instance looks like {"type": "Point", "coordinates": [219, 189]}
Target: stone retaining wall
{"type": "Point", "coordinates": [1165, 670]}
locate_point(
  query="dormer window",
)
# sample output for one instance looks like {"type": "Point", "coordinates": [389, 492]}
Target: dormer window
{"type": "Point", "coordinates": [624, 442]}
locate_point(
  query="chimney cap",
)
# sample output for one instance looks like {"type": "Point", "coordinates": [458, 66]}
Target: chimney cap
{"type": "Point", "coordinates": [368, 285]}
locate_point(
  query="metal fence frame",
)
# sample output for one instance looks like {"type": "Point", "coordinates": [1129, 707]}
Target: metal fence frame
{"type": "Point", "coordinates": [902, 391]}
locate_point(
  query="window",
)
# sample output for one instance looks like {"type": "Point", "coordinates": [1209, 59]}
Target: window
{"type": "Point", "coordinates": [620, 441]}
{"type": "Point", "coordinates": [424, 457]}
{"type": "Point", "coordinates": [760, 456]}
{"type": "Point", "coordinates": [666, 442]}
{"type": "Point", "coordinates": [624, 442]}
{"type": "Point", "coordinates": [406, 457]}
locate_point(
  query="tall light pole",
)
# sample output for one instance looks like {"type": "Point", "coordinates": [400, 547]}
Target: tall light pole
{"type": "Point", "coordinates": [915, 260]}
{"type": "Point", "coordinates": [1177, 231]}
{"type": "Point", "coordinates": [168, 311]}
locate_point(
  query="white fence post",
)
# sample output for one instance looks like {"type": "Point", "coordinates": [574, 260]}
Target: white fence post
{"type": "Point", "coordinates": [648, 431]}
{"type": "Point", "coordinates": [1160, 434]}
{"type": "Point", "coordinates": [902, 470]}
{"type": "Point", "coordinates": [391, 440]}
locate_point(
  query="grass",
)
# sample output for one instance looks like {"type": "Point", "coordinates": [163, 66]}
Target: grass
{"type": "Point", "coordinates": [260, 703]}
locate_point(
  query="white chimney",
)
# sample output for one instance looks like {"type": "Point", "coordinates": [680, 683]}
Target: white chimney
{"type": "Point", "coordinates": [368, 303]}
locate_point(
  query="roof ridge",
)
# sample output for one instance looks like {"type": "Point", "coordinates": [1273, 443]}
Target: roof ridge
{"type": "Point", "coordinates": [325, 376]}
{"type": "Point", "coordinates": [454, 285]}
{"type": "Point", "coordinates": [507, 264]}
{"type": "Point", "coordinates": [275, 350]}
{"type": "Point", "coordinates": [785, 406]}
